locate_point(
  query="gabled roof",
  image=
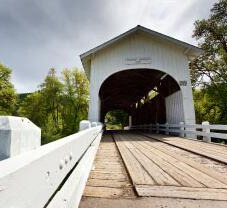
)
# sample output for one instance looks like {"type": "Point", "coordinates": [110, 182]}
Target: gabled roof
{"type": "Point", "coordinates": [190, 50]}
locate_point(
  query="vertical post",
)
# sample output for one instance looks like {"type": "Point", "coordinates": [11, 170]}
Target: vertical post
{"type": "Point", "coordinates": [167, 129]}
{"type": "Point", "coordinates": [17, 135]}
{"type": "Point", "coordinates": [94, 124]}
{"type": "Point", "coordinates": [144, 127]}
{"type": "Point", "coordinates": [206, 130]}
{"type": "Point", "coordinates": [157, 128]}
{"type": "Point", "coordinates": [181, 134]}
{"type": "Point", "coordinates": [85, 125]}
{"type": "Point", "coordinates": [150, 128]}
{"type": "Point", "coordinates": [130, 121]}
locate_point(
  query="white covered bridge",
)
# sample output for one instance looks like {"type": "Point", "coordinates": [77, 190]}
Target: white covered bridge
{"type": "Point", "coordinates": [157, 160]}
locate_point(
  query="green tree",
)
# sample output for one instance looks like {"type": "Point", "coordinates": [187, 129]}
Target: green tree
{"type": "Point", "coordinates": [32, 108]}
{"type": "Point", "coordinates": [8, 95]}
{"type": "Point", "coordinates": [59, 105]}
{"type": "Point", "coordinates": [209, 70]}
{"type": "Point", "coordinates": [74, 99]}
{"type": "Point", "coordinates": [211, 66]}
{"type": "Point", "coordinates": [116, 119]}
{"type": "Point", "coordinates": [51, 91]}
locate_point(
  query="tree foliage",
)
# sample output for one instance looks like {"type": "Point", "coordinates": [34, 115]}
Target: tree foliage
{"type": "Point", "coordinates": [8, 95]}
{"type": "Point", "coordinates": [59, 105]}
{"type": "Point", "coordinates": [209, 70]}
{"type": "Point", "coordinates": [116, 119]}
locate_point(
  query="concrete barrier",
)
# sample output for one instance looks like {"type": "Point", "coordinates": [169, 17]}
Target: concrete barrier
{"type": "Point", "coordinates": [94, 124]}
{"type": "Point", "coordinates": [17, 135]}
{"type": "Point", "coordinates": [84, 124]}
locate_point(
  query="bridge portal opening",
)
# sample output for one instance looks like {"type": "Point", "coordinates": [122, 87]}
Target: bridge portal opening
{"type": "Point", "coordinates": [116, 119]}
{"type": "Point", "coordinates": [147, 95]}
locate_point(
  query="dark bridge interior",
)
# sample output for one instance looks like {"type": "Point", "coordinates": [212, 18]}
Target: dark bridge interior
{"type": "Point", "coordinates": [128, 90]}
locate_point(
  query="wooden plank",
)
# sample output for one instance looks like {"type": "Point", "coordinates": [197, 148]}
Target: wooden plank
{"type": "Point", "coordinates": [182, 192]}
{"type": "Point", "coordinates": [196, 151]}
{"type": "Point", "coordinates": [104, 192]}
{"type": "Point", "coordinates": [157, 173]}
{"type": "Point", "coordinates": [107, 171]}
{"type": "Point", "coordinates": [109, 176]}
{"type": "Point", "coordinates": [108, 163]}
{"type": "Point", "coordinates": [214, 174]}
{"type": "Point", "coordinates": [196, 143]}
{"type": "Point", "coordinates": [105, 168]}
{"type": "Point", "coordinates": [178, 174]}
{"type": "Point", "coordinates": [107, 183]}
{"type": "Point", "coordinates": [135, 170]}
{"type": "Point", "coordinates": [193, 172]}
{"type": "Point", "coordinates": [198, 171]}
{"type": "Point", "coordinates": [222, 152]}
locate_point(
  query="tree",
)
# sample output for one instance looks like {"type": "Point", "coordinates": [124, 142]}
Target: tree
{"type": "Point", "coordinates": [74, 99]}
{"type": "Point", "coordinates": [8, 95]}
{"type": "Point", "coordinates": [209, 70]}
{"type": "Point", "coordinates": [211, 66]}
{"type": "Point", "coordinates": [32, 108]}
{"type": "Point", "coordinates": [116, 119]}
{"type": "Point", "coordinates": [59, 105]}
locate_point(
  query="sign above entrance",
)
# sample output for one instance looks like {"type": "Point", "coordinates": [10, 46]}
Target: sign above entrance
{"type": "Point", "coordinates": [138, 60]}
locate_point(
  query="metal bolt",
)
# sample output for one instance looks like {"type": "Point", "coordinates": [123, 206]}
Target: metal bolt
{"type": "Point", "coordinates": [66, 159]}
{"type": "Point", "coordinates": [70, 156]}
{"type": "Point", "coordinates": [61, 164]}
{"type": "Point", "coordinates": [47, 176]}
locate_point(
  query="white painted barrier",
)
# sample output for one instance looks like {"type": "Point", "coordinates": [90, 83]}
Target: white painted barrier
{"type": "Point", "coordinates": [17, 135]}
{"type": "Point", "coordinates": [70, 194]}
{"type": "Point", "coordinates": [188, 129]}
{"type": "Point", "coordinates": [84, 125]}
{"type": "Point", "coordinates": [29, 180]}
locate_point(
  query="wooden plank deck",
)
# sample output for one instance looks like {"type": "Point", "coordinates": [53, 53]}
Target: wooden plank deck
{"type": "Point", "coordinates": [157, 168]}
{"type": "Point", "coordinates": [108, 179]}
{"type": "Point", "coordinates": [170, 174]}
{"type": "Point", "coordinates": [209, 150]}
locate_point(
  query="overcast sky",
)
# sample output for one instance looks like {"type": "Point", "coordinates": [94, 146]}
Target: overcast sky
{"type": "Point", "coordinates": [36, 35]}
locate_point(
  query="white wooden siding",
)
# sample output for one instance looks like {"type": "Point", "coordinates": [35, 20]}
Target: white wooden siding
{"type": "Point", "coordinates": [174, 108]}
{"type": "Point", "coordinates": [165, 57]}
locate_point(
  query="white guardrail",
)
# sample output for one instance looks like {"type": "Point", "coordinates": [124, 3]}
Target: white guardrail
{"type": "Point", "coordinates": [204, 130]}
{"type": "Point", "coordinates": [53, 175]}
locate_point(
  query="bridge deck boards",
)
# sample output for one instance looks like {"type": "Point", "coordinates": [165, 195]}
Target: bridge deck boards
{"type": "Point", "coordinates": [216, 152]}
{"type": "Point", "coordinates": [108, 179]}
{"type": "Point", "coordinates": [158, 166]}
{"type": "Point", "coordinates": [167, 173]}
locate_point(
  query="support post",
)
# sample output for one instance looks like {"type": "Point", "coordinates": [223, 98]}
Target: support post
{"type": "Point", "coordinates": [206, 130]}
{"type": "Point", "coordinates": [17, 135]}
{"type": "Point", "coordinates": [150, 128]}
{"type": "Point", "coordinates": [94, 124]}
{"type": "Point", "coordinates": [130, 121]}
{"type": "Point", "coordinates": [84, 124]}
{"type": "Point", "coordinates": [167, 129]}
{"type": "Point", "coordinates": [181, 134]}
{"type": "Point", "coordinates": [157, 128]}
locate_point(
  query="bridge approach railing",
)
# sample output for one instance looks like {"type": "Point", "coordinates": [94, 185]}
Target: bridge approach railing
{"type": "Point", "coordinates": [204, 131]}
{"type": "Point", "coordinates": [53, 175]}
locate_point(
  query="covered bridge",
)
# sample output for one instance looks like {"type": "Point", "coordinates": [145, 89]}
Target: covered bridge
{"type": "Point", "coordinates": [124, 70]}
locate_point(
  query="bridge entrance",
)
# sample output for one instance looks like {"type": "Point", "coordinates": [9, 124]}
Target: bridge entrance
{"type": "Point", "coordinates": [129, 70]}
{"type": "Point", "coordinates": [116, 119]}
{"type": "Point", "coordinates": [147, 95]}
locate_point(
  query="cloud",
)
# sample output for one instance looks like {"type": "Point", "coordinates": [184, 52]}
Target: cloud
{"type": "Point", "coordinates": [37, 35]}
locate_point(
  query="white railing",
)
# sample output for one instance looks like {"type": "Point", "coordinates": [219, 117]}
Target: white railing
{"type": "Point", "coordinates": [203, 130]}
{"type": "Point", "coordinates": [35, 179]}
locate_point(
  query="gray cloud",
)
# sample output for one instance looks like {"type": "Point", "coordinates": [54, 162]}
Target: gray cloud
{"type": "Point", "coordinates": [36, 35]}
